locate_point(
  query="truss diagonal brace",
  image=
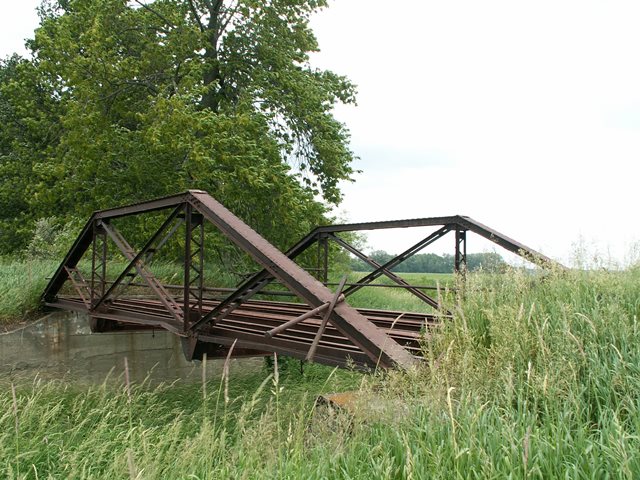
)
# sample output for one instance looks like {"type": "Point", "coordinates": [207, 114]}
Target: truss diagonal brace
{"type": "Point", "coordinates": [250, 287]}
{"type": "Point", "coordinates": [135, 261]}
{"type": "Point", "coordinates": [138, 257]}
{"type": "Point", "coordinates": [241, 294]}
{"type": "Point", "coordinates": [281, 328]}
{"type": "Point", "coordinates": [325, 320]}
{"type": "Point", "coordinates": [374, 342]}
{"type": "Point", "coordinates": [398, 280]}
{"type": "Point", "coordinates": [80, 285]}
{"type": "Point", "coordinates": [399, 259]}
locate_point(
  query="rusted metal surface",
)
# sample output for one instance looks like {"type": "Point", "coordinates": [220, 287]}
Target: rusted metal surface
{"type": "Point", "coordinates": [358, 339]}
{"type": "Point", "coordinates": [460, 256]}
{"type": "Point", "coordinates": [281, 328]}
{"type": "Point", "coordinates": [386, 268]}
{"type": "Point", "coordinates": [254, 319]}
{"type": "Point", "coordinates": [80, 285]}
{"type": "Point", "coordinates": [337, 297]}
{"type": "Point", "coordinates": [136, 262]}
{"type": "Point", "coordinates": [461, 222]}
{"type": "Point", "coordinates": [322, 326]}
{"type": "Point", "coordinates": [375, 344]}
{"type": "Point", "coordinates": [193, 292]}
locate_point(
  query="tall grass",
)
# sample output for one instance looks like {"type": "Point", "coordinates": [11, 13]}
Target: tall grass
{"type": "Point", "coordinates": [21, 284]}
{"type": "Point", "coordinates": [534, 377]}
{"type": "Point", "coordinates": [169, 431]}
{"type": "Point", "coordinates": [23, 281]}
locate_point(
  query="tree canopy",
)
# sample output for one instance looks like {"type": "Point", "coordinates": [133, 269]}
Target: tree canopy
{"type": "Point", "coordinates": [127, 100]}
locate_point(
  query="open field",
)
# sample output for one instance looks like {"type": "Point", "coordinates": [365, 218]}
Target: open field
{"type": "Point", "coordinates": [398, 298]}
{"type": "Point", "coordinates": [533, 378]}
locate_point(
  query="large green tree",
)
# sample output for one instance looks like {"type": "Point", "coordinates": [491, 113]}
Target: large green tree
{"type": "Point", "coordinates": [29, 133]}
{"type": "Point", "coordinates": [146, 98]}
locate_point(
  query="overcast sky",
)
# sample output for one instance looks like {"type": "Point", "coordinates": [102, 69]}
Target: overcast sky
{"type": "Point", "coordinates": [522, 115]}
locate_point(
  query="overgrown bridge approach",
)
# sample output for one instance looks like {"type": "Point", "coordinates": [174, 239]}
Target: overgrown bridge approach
{"type": "Point", "coordinates": [114, 283]}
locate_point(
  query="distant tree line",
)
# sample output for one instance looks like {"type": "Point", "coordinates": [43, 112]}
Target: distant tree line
{"type": "Point", "coordinates": [433, 263]}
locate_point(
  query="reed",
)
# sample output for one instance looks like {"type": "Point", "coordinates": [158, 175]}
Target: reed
{"type": "Point", "coordinates": [534, 377]}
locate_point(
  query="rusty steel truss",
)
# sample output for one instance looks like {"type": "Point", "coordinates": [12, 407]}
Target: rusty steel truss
{"type": "Point", "coordinates": [321, 326]}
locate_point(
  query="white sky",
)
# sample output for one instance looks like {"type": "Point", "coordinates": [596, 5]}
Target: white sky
{"type": "Point", "coordinates": [522, 115]}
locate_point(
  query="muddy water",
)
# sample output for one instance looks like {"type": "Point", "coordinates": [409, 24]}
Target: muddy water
{"type": "Point", "coordinates": [62, 346]}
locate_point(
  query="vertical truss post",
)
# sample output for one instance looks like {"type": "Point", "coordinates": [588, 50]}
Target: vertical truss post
{"type": "Point", "coordinates": [193, 266]}
{"type": "Point", "coordinates": [186, 300]}
{"type": "Point", "coordinates": [319, 258]}
{"type": "Point", "coordinates": [325, 250]}
{"type": "Point", "coordinates": [98, 263]}
{"type": "Point", "coordinates": [460, 260]}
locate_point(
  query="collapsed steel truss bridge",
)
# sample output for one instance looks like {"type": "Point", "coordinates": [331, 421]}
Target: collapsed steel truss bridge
{"type": "Point", "coordinates": [321, 326]}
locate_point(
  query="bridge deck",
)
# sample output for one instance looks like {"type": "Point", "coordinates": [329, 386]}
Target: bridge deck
{"type": "Point", "coordinates": [249, 323]}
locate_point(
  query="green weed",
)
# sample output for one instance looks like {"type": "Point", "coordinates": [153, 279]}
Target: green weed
{"type": "Point", "coordinates": [535, 376]}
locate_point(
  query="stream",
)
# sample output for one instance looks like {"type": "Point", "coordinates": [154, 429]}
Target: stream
{"type": "Point", "coordinates": [62, 346]}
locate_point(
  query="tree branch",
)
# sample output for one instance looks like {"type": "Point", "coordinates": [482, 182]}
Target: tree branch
{"type": "Point", "coordinates": [231, 11]}
{"type": "Point", "coordinates": [192, 7]}
{"type": "Point", "coordinates": [157, 14]}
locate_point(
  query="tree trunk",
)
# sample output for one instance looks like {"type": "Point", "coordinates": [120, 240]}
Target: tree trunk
{"type": "Point", "coordinates": [211, 76]}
